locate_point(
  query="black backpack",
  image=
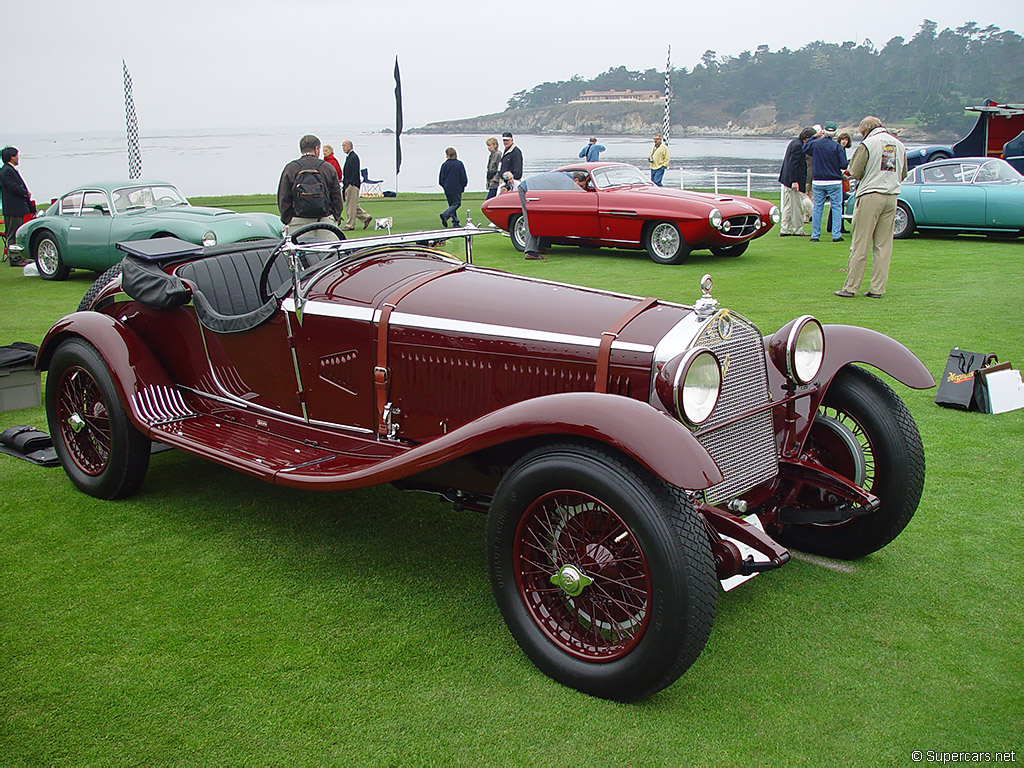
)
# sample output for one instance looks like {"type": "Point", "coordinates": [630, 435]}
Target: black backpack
{"type": "Point", "coordinates": [312, 199]}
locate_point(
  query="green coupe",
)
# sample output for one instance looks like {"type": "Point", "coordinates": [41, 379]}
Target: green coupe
{"type": "Point", "coordinates": [81, 228]}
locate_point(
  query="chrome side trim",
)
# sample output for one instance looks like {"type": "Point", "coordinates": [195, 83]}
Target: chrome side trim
{"type": "Point", "coordinates": [426, 322]}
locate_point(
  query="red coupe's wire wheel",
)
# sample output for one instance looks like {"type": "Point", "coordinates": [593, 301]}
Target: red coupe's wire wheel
{"type": "Point", "coordinates": [582, 575]}
{"type": "Point", "coordinates": [84, 421]}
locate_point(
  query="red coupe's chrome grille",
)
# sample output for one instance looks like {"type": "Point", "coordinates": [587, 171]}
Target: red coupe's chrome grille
{"type": "Point", "coordinates": [741, 226]}
{"type": "Point", "coordinates": [745, 450]}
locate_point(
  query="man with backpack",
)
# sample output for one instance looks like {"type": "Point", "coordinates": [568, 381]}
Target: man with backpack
{"type": "Point", "coordinates": [309, 190]}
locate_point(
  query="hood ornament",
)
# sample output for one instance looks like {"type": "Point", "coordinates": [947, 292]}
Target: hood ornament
{"type": "Point", "coordinates": [706, 306]}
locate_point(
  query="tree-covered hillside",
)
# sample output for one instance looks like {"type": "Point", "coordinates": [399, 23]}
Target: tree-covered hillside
{"type": "Point", "coordinates": [927, 80]}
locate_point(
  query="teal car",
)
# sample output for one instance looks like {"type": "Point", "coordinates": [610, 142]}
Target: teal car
{"type": "Point", "coordinates": [81, 228]}
{"type": "Point", "coordinates": [983, 195]}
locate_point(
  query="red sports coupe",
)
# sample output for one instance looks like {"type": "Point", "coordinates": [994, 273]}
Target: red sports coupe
{"type": "Point", "coordinates": [622, 208]}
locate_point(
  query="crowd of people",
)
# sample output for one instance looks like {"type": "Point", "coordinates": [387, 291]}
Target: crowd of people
{"type": "Point", "coordinates": [817, 167]}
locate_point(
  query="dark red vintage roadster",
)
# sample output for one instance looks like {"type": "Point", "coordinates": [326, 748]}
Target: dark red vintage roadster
{"type": "Point", "coordinates": [630, 454]}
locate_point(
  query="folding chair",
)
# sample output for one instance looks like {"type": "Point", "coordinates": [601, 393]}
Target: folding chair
{"type": "Point", "coordinates": [371, 187]}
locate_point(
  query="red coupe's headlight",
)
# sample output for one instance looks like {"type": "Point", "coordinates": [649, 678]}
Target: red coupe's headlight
{"type": "Point", "coordinates": [689, 385]}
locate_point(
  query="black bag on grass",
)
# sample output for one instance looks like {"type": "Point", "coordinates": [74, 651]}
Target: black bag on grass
{"type": "Point", "coordinates": [956, 387]}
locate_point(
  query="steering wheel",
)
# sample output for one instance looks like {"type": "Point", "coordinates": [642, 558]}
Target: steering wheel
{"type": "Point", "coordinates": [265, 295]}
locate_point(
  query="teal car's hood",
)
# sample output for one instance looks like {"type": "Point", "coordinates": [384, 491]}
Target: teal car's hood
{"type": "Point", "coordinates": [186, 212]}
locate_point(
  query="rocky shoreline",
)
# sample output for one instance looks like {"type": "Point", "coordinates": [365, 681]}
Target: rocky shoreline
{"type": "Point", "coordinates": [632, 119]}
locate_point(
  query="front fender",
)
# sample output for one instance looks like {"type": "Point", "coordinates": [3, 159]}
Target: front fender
{"type": "Point", "coordinates": [30, 227]}
{"type": "Point", "coordinates": [130, 362]}
{"type": "Point", "coordinates": [844, 344]}
{"type": "Point", "coordinates": [652, 438]}
{"type": "Point", "coordinates": [852, 344]}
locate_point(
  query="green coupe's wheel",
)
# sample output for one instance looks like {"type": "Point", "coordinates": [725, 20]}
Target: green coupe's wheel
{"type": "Point", "coordinates": [903, 224]}
{"type": "Point", "coordinates": [47, 255]}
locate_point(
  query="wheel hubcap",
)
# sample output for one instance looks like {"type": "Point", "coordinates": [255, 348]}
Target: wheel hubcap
{"type": "Point", "coordinates": [666, 241]}
{"type": "Point", "coordinates": [84, 420]}
{"type": "Point", "coordinates": [572, 580]}
{"type": "Point", "coordinates": [901, 220]}
{"type": "Point", "coordinates": [48, 258]}
{"type": "Point", "coordinates": [582, 576]}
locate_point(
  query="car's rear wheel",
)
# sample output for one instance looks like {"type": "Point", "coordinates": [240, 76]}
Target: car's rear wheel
{"type": "Point", "coordinates": [100, 449]}
{"type": "Point", "coordinates": [602, 572]}
{"type": "Point", "coordinates": [730, 250]}
{"type": "Point", "coordinates": [98, 285]}
{"type": "Point", "coordinates": [864, 432]}
{"type": "Point", "coordinates": [665, 244]}
{"type": "Point", "coordinates": [903, 224]}
{"type": "Point", "coordinates": [517, 231]}
{"type": "Point", "coordinates": [46, 252]}
{"type": "Point", "coordinates": [938, 156]}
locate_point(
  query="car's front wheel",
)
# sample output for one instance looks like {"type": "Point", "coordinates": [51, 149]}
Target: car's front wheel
{"type": "Point", "coordinates": [603, 573]}
{"type": "Point", "coordinates": [864, 432]}
{"type": "Point", "coordinates": [48, 259]}
{"type": "Point", "coordinates": [517, 231]}
{"type": "Point", "coordinates": [903, 224]}
{"type": "Point", "coordinates": [665, 244]}
{"type": "Point", "coordinates": [100, 449]}
{"type": "Point", "coordinates": [730, 250]}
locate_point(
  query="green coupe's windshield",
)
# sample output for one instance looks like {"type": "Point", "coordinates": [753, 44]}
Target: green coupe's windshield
{"type": "Point", "coordinates": [998, 171]}
{"type": "Point", "coordinates": [619, 176]}
{"type": "Point", "coordinates": [138, 198]}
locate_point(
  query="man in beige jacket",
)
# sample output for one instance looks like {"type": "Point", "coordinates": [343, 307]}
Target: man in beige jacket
{"type": "Point", "coordinates": [880, 165]}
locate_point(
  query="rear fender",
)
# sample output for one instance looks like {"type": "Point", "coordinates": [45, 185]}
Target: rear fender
{"type": "Point", "coordinates": [130, 362]}
{"type": "Point", "coordinates": [650, 437]}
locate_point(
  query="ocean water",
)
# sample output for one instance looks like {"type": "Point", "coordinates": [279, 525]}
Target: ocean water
{"type": "Point", "coordinates": [249, 161]}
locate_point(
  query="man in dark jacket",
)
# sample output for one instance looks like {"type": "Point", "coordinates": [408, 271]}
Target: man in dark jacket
{"type": "Point", "coordinates": [16, 200]}
{"type": "Point", "coordinates": [793, 178]}
{"type": "Point", "coordinates": [512, 159]}
{"type": "Point", "coordinates": [309, 191]}
{"type": "Point", "coordinates": [350, 183]}
{"type": "Point", "coordinates": [453, 181]}
{"type": "Point", "coordinates": [829, 160]}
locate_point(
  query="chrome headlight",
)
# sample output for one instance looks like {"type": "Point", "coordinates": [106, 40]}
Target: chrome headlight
{"type": "Point", "coordinates": [209, 238]}
{"type": "Point", "coordinates": [689, 385]}
{"type": "Point", "coordinates": [715, 218]}
{"type": "Point", "coordinates": [775, 215]}
{"type": "Point", "coordinates": [798, 349]}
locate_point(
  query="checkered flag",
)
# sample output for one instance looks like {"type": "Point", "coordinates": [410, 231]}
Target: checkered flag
{"type": "Point", "coordinates": [667, 121]}
{"type": "Point", "coordinates": [132, 128]}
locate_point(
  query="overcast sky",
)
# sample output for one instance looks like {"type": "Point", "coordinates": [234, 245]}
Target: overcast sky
{"type": "Point", "coordinates": [233, 64]}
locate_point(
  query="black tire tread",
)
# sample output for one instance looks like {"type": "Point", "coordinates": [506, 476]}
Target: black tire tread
{"type": "Point", "coordinates": [98, 285]}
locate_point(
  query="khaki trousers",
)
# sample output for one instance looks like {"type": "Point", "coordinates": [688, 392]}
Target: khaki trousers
{"type": "Point", "coordinates": [873, 216]}
{"type": "Point", "coordinates": [792, 211]}
{"type": "Point", "coordinates": [353, 210]}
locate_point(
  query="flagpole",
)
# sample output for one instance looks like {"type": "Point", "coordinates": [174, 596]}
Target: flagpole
{"type": "Point", "coordinates": [131, 127]}
{"type": "Point", "coordinates": [398, 124]}
{"type": "Point", "coordinates": [667, 121]}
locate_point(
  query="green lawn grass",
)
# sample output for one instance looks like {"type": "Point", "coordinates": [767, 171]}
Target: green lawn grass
{"type": "Point", "coordinates": [213, 618]}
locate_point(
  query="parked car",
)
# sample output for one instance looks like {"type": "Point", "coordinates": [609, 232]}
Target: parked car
{"type": "Point", "coordinates": [622, 208]}
{"type": "Point", "coordinates": [928, 154]}
{"type": "Point", "coordinates": [630, 454]}
{"type": "Point", "coordinates": [81, 228]}
{"type": "Point", "coordinates": [960, 194]}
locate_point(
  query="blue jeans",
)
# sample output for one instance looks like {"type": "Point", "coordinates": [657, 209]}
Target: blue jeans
{"type": "Point", "coordinates": [834, 192]}
{"type": "Point", "coordinates": [657, 174]}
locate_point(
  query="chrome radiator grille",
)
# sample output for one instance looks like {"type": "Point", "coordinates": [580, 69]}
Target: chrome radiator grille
{"type": "Point", "coordinates": [741, 226]}
{"type": "Point", "coordinates": [745, 450]}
